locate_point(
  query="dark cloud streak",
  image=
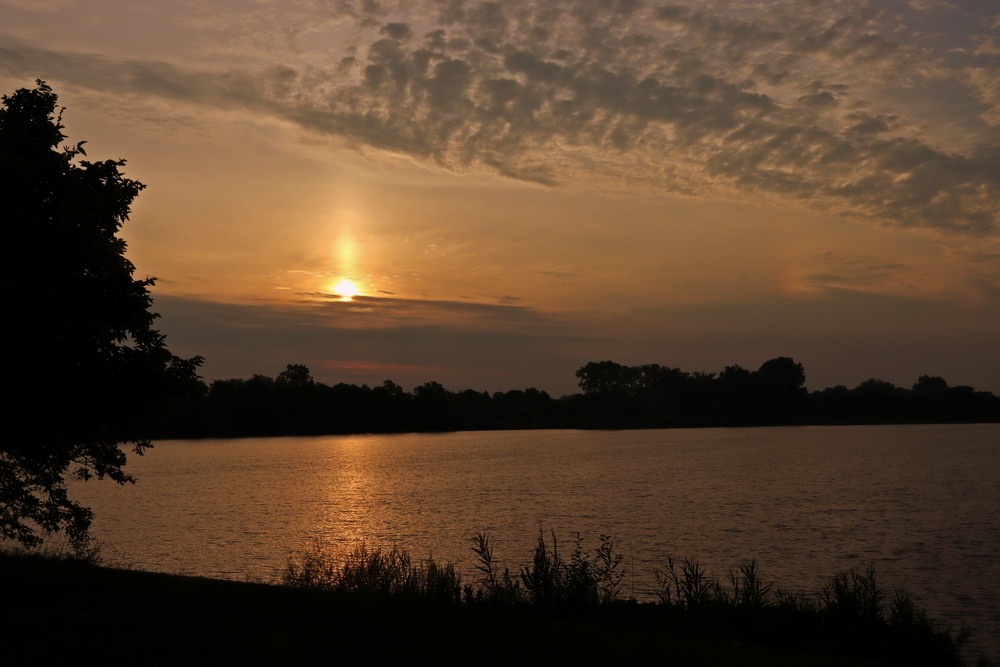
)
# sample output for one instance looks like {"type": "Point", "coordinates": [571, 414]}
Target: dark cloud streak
{"type": "Point", "coordinates": [846, 336]}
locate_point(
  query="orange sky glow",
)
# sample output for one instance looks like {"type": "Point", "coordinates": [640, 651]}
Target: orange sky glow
{"type": "Point", "coordinates": [514, 189]}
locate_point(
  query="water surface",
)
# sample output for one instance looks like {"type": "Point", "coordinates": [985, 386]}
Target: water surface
{"type": "Point", "coordinates": [920, 502]}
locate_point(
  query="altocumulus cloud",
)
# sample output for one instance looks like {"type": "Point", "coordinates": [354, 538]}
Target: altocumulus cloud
{"type": "Point", "coordinates": [809, 103]}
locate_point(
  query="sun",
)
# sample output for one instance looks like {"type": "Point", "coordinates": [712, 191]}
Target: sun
{"type": "Point", "coordinates": [346, 289]}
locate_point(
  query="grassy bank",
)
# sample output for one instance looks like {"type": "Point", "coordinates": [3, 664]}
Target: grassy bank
{"type": "Point", "coordinates": [851, 615]}
{"type": "Point", "coordinates": [57, 611]}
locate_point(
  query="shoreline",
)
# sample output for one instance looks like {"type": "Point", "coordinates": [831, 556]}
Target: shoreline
{"type": "Point", "coordinates": [132, 617]}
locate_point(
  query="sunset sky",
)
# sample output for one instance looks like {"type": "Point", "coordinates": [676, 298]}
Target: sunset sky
{"type": "Point", "coordinates": [517, 188]}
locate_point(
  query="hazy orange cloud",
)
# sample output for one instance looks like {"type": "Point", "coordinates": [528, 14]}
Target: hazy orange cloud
{"type": "Point", "coordinates": [518, 188]}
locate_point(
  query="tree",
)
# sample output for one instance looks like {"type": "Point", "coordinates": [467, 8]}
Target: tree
{"type": "Point", "coordinates": [431, 404]}
{"type": "Point", "coordinates": [84, 361]}
{"type": "Point", "coordinates": [779, 388]}
{"type": "Point", "coordinates": [295, 376]}
{"type": "Point", "coordinates": [604, 377]}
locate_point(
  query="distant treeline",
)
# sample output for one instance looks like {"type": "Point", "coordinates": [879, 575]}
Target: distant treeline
{"type": "Point", "coordinates": [612, 396]}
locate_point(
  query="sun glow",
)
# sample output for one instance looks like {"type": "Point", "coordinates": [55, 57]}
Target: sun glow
{"type": "Point", "coordinates": [346, 289]}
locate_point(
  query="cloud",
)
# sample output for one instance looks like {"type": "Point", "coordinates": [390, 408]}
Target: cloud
{"type": "Point", "coordinates": [370, 312]}
{"type": "Point", "coordinates": [857, 271]}
{"type": "Point", "coordinates": [674, 98]}
{"type": "Point", "coordinates": [842, 336]}
{"type": "Point", "coordinates": [495, 347]}
{"type": "Point", "coordinates": [45, 6]}
{"type": "Point", "coordinates": [986, 83]}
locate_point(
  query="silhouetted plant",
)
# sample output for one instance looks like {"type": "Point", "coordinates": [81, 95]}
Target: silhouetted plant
{"type": "Point", "coordinates": [851, 606]}
{"type": "Point", "coordinates": [578, 579]}
{"type": "Point", "coordinates": [847, 616]}
{"type": "Point", "coordinates": [378, 571]}
{"type": "Point", "coordinates": [438, 582]}
{"type": "Point", "coordinates": [551, 581]}
{"type": "Point", "coordinates": [487, 565]}
{"type": "Point", "coordinates": [541, 578]}
{"type": "Point", "coordinates": [608, 570]}
{"type": "Point", "coordinates": [917, 638]}
{"type": "Point", "coordinates": [748, 590]}
{"type": "Point", "coordinates": [685, 584]}
{"type": "Point", "coordinates": [500, 587]}
{"type": "Point", "coordinates": [311, 569]}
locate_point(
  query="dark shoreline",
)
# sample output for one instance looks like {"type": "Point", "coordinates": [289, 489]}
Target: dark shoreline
{"type": "Point", "coordinates": [60, 611]}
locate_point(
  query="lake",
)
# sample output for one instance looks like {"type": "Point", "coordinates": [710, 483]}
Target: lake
{"type": "Point", "coordinates": [919, 502]}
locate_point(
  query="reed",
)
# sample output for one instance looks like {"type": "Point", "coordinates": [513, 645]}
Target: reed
{"type": "Point", "coordinates": [850, 615]}
{"type": "Point", "coordinates": [375, 571]}
{"type": "Point", "coordinates": [496, 587]}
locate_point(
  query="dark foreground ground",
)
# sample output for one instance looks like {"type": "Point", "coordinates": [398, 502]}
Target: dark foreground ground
{"type": "Point", "coordinates": [64, 612]}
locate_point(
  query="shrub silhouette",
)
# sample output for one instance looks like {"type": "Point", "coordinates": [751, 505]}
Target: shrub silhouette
{"type": "Point", "coordinates": [849, 615]}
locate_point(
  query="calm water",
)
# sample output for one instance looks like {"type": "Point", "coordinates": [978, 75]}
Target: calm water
{"type": "Point", "coordinates": [921, 502]}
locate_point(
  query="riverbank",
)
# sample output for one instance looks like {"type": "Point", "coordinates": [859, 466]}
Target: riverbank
{"type": "Point", "coordinates": [58, 611]}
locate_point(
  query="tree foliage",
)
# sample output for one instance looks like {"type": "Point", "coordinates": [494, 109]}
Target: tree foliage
{"type": "Point", "coordinates": [613, 396]}
{"type": "Point", "coordinates": [85, 361]}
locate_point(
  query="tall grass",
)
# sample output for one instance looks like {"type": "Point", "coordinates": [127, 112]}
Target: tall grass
{"type": "Point", "coordinates": [375, 571]}
{"type": "Point", "coordinates": [848, 615]}
{"type": "Point", "coordinates": [851, 614]}
{"type": "Point", "coordinates": [495, 587]}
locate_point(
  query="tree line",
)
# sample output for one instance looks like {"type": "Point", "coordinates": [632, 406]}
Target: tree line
{"type": "Point", "coordinates": [612, 395]}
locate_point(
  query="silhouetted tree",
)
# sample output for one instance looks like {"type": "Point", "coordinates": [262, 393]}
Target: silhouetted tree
{"type": "Point", "coordinates": [86, 365]}
{"type": "Point", "coordinates": [662, 395]}
{"type": "Point", "coordinates": [472, 409]}
{"type": "Point", "coordinates": [734, 391]}
{"type": "Point", "coordinates": [389, 407]}
{"type": "Point", "coordinates": [528, 408]}
{"type": "Point", "coordinates": [879, 400]}
{"type": "Point", "coordinates": [835, 405]}
{"type": "Point", "coordinates": [609, 391]}
{"type": "Point", "coordinates": [616, 396]}
{"type": "Point", "coordinates": [295, 375]}
{"type": "Point", "coordinates": [779, 384]}
{"type": "Point", "coordinates": [301, 401]}
{"type": "Point", "coordinates": [930, 388]}
{"type": "Point", "coordinates": [431, 402]}
{"type": "Point", "coordinates": [604, 378]}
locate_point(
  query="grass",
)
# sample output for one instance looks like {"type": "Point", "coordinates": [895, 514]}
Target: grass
{"type": "Point", "coordinates": [380, 606]}
{"type": "Point", "coordinates": [376, 572]}
{"type": "Point", "coordinates": [850, 616]}
{"type": "Point", "coordinates": [61, 611]}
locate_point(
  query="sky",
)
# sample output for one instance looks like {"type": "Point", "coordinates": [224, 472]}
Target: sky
{"type": "Point", "coordinates": [518, 188]}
